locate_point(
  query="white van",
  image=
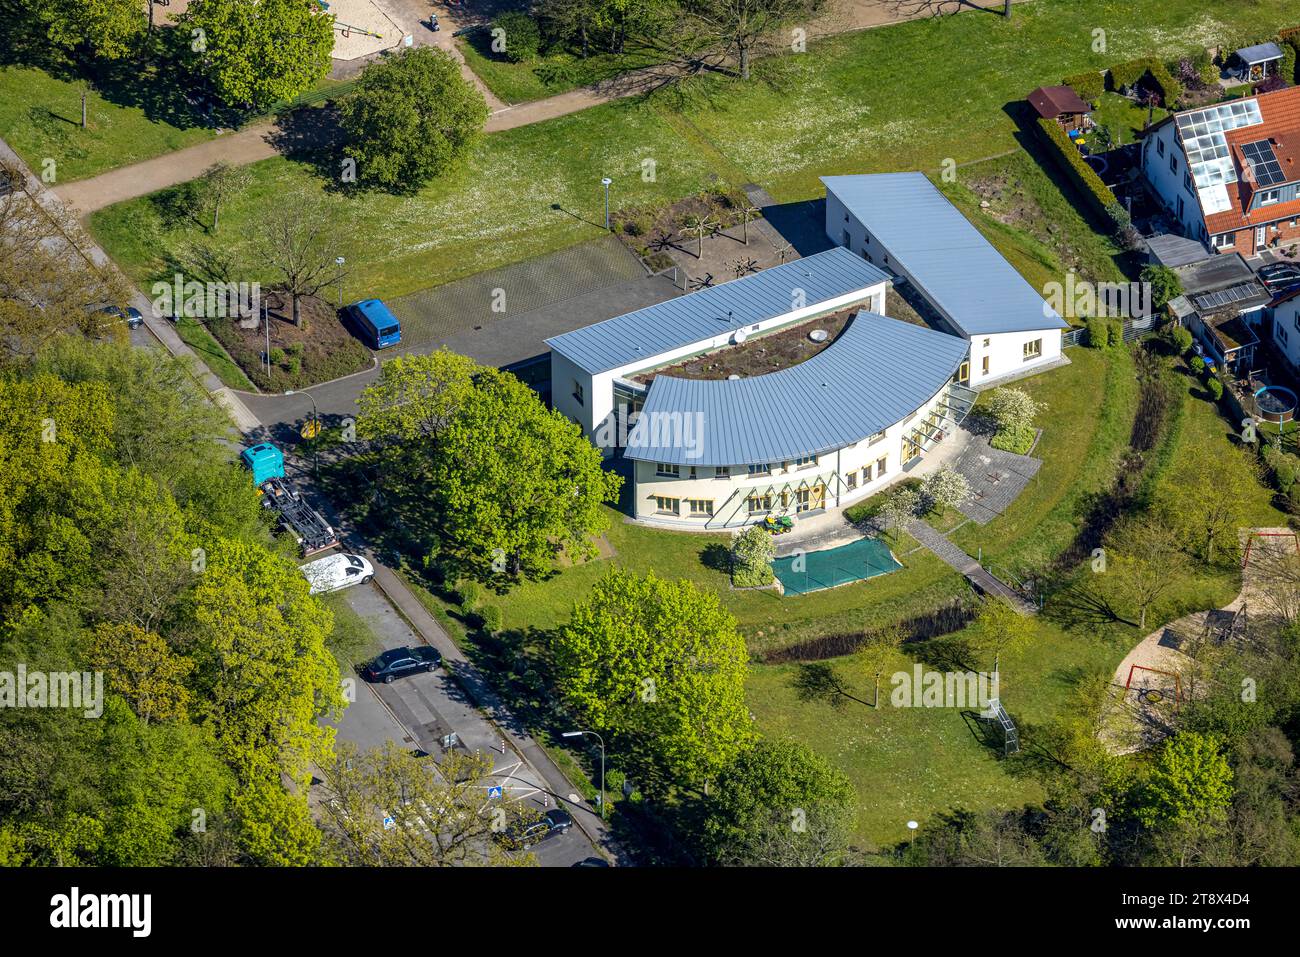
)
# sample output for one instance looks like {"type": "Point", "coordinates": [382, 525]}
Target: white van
{"type": "Point", "coordinates": [337, 571]}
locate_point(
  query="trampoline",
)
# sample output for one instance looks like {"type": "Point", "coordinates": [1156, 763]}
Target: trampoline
{"type": "Point", "coordinates": [865, 558]}
{"type": "Point", "coordinates": [1275, 403]}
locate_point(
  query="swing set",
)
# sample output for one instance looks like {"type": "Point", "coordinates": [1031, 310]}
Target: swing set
{"type": "Point", "coordinates": [348, 29]}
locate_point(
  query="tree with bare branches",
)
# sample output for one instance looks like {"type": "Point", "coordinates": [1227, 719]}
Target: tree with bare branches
{"type": "Point", "coordinates": [297, 241]}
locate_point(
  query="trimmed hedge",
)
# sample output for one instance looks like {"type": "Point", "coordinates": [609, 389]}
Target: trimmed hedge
{"type": "Point", "coordinates": [1083, 175]}
{"type": "Point", "coordinates": [1089, 86]}
{"type": "Point", "coordinates": [1128, 74]}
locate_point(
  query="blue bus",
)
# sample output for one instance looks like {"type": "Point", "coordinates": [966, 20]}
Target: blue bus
{"type": "Point", "coordinates": [376, 323]}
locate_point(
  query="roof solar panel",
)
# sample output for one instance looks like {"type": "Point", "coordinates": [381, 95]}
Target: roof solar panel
{"type": "Point", "coordinates": [1265, 169]}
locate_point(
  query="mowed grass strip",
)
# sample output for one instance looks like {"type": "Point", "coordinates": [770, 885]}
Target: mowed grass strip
{"type": "Point", "coordinates": [521, 193]}
{"type": "Point", "coordinates": [40, 117]}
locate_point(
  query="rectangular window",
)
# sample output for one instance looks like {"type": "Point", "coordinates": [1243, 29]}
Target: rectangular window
{"type": "Point", "coordinates": [762, 468]}
{"type": "Point", "coordinates": [664, 470]}
{"type": "Point", "coordinates": [804, 461]}
{"type": "Point", "coordinates": [986, 343]}
{"type": "Point", "coordinates": [984, 365]}
{"type": "Point", "coordinates": [1173, 163]}
{"type": "Point", "coordinates": [668, 506]}
{"type": "Point", "coordinates": [1160, 147]}
{"type": "Point", "coordinates": [759, 504]}
{"type": "Point", "coordinates": [880, 467]}
{"type": "Point", "coordinates": [851, 480]}
{"type": "Point", "coordinates": [579, 392]}
{"type": "Point", "coordinates": [722, 471]}
{"type": "Point", "coordinates": [876, 437]}
{"type": "Point", "coordinates": [1033, 349]}
{"type": "Point", "coordinates": [1223, 240]}
{"type": "Point", "coordinates": [1268, 197]}
{"type": "Point", "coordinates": [701, 507]}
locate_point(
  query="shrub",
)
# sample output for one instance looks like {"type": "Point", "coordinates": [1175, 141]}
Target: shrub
{"type": "Point", "coordinates": [1284, 466]}
{"type": "Point", "coordinates": [1198, 365]}
{"type": "Point", "coordinates": [277, 356]}
{"type": "Point", "coordinates": [1098, 335]}
{"type": "Point", "coordinates": [752, 553]}
{"type": "Point", "coordinates": [1181, 339]}
{"type": "Point", "coordinates": [522, 36]}
{"type": "Point", "coordinates": [1293, 502]}
{"type": "Point", "coordinates": [492, 618]}
{"type": "Point", "coordinates": [470, 594]}
{"type": "Point", "coordinates": [1083, 175]}
{"type": "Point", "coordinates": [1287, 68]}
{"type": "Point", "coordinates": [1115, 333]}
{"type": "Point", "coordinates": [1216, 389]}
{"type": "Point", "coordinates": [294, 365]}
{"type": "Point", "coordinates": [1088, 85]}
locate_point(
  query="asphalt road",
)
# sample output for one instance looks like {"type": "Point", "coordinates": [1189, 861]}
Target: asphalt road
{"type": "Point", "coordinates": [417, 711]}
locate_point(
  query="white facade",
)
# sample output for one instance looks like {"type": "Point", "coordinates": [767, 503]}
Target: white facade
{"type": "Point", "coordinates": [1165, 166]}
{"type": "Point", "coordinates": [705, 497]}
{"type": "Point", "coordinates": [994, 356]}
{"type": "Point", "coordinates": [1286, 331]}
{"type": "Point", "coordinates": [589, 399]}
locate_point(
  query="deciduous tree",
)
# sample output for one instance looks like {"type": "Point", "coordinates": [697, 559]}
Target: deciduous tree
{"type": "Point", "coordinates": [661, 666]}
{"type": "Point", "coordinates": [412, 117]}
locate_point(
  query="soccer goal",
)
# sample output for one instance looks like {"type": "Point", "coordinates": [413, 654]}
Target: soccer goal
{"type": "Point", "coordinates": [1270, 543]}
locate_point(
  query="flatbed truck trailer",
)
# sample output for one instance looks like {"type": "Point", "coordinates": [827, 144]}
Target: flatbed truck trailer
{"type": "Point", "coordinates": [297, 517]}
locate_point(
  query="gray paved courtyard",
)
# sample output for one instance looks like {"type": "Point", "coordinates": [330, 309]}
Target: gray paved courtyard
{"type": "Point", "coordinates": [996, 478]}
{"type": "Point", "coordinates": [479, 301]}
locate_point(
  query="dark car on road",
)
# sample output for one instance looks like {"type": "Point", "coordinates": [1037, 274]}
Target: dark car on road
{"type": "Point", "coordinates": [399, 662]}
{"type": "Point", "coordinates": [1279, 276]}
{"type": "Point", "coordinates": [130, 315]}
{"type": "Point", "coordinates": [528, 832]}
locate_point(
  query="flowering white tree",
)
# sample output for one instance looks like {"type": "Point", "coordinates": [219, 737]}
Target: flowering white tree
{"type": "Point", "coordinates": [900, 508]}
{"type": "Point", "coordinates": [944, 488]}
{"type": "Point", "coordinates": [752, 553]}
{"type": "Point", "coordinates": [1014, 410]}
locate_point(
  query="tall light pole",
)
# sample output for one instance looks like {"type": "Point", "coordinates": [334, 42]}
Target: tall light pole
{"type": "Point", "coordinates": [266, 320]}
{"type": "Point", "coordinates": [605, 182]}
{"type": "Point", "coordinates": [578, 734]}
{"type": "Point", "coordinates": [339, 261]}
{"type": "Point", "coordinates": [315, 417]}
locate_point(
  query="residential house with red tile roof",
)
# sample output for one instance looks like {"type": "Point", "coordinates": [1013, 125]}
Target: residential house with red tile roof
{"type": "Point", "coordinates": [1229, 174]}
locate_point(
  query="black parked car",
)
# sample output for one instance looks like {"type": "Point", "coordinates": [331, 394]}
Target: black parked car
{"type": "Point", "coordinates": [131, 316]}
{"type": "Point", "coordinates": [525, 833]}
{"type": "Point", "coordinates": [399, 662]}
{"type": "Point", "coordinates": [1279, 276]}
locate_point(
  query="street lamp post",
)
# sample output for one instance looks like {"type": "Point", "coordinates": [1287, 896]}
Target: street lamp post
{"type": "Point", "coordinates": [339, 261]}
{"type": "Point", "coordinates": [578, 734]}
{"type": "Point", "coordinates": [605, 182]}
{"type": "Point", "coordinates": [315, 417]}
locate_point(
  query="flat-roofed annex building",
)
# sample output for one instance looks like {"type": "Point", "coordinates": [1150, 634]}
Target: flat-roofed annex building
{"type": "Point", "coordinates": [723, 452]}
{"type": "Point", "coordinates": [903, 224]}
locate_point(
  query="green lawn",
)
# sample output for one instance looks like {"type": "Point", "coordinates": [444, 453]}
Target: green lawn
{"type": "Point", "coordinates": [40, 117]}
{"type": "Point", "coordinates": [545, 76]}
{"type": "Point", "coordinates": [1124, 118]}
{"type": "Point", "coordinates": [912, 95]}
{"type": "Point", "coordinates": [522, 193]}
{"type": "Point", "coordinates": [912, 763]}
{"type": "Point", "coordinates": [194, 335]}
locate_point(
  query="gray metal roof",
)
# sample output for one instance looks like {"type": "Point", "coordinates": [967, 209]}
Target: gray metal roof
{"type": "Point", "coordinates": [699, 316]}
{"type": "Point", "coordinates": [1260, 53]}
{"type": "Point", "coordinates": [978, 290]}
{"type": "Point", "coordinates": [877, 372]}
